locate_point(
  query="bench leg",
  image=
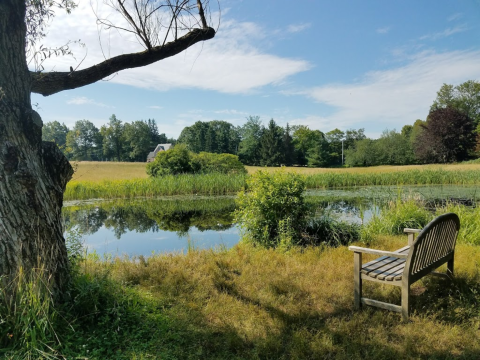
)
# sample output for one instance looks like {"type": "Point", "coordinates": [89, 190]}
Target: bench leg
{"type": "Point", "coordinates": [450, 267]}
{"type": "Point", "coordinates": [357, 264]}
{"type": "Point", "coordinates": [405, 301]}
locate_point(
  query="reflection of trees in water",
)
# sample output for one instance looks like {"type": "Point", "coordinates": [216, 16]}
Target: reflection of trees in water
{"type": "Point", "coordinates": [151, 215]}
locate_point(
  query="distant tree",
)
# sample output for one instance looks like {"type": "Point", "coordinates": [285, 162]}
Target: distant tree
{"type": "Point", "coordinates": [56, 132]}
{"type": "Point", "coordinates": [447, 136]}
{"type": "Point", "coordinates": [352, 135]}
{"type": "Point", "coordinates": [304, 140]}
{"type": "Point", "coordinates": [288, 148]}
{"type": "Point", "coordinates": [318, 153]}
{"type": "Point", "coordinates": [362, 153]}
{"type": "Point", "coordinates": [113, 139]}
{"type": "Point", "coordinates": [393, 149]}
{"type": "Point", "coordinates": [464, 98]}
{"type": "Point", "coordinates": [137, 140]}
{"type": "Point", "coordinates": [157, 138]}
{"type": "Point", "coordinates": [334, 139]}
{"type": "Point", "coordinates": [271, 145]}
{"type": "Point", "coordinates": [84, 141]}
{"type": "Point", "coordinates": [215, 136]}
{"type": "Point", "coordinates": [249, 146]}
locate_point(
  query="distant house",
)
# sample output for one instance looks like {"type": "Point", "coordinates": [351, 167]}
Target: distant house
{"type": "Point", "coordinates": [159, 148]}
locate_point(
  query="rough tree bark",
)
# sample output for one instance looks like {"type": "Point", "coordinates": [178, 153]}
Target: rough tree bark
{"type": "Point", "coordinates": [33, 174]}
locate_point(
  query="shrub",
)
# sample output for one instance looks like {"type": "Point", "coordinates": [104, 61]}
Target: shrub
{"type": "Point", "coordinates": [273, 211]}
{"type": "Point", "coordinates": [217, 163]}
{"type": "Point", "coordinates": [179, 160]}
{"type": "Point", "coordinates": [171, 162]}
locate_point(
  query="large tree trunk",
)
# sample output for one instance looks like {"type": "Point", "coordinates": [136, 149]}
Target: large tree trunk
{"type": "Point", "coordinates": [33, 175]}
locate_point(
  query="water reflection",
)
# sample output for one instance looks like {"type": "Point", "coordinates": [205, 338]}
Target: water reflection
{"type": "Point", "coordinates": [139, 227]}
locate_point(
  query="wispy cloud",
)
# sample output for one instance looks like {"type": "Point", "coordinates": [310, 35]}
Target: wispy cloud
{"type": "Point", "coordinates": [155, 107]}
{"type": "Point", "coordinates": [233, 62]}
{"type": "Point", "coordinates": [294, 28]}
{"type": "Point", "coordinates": [394, 97]}
{"type": "Point", "coordinates": [82, 100]}
{"type": "Point", "coordinates": [230, 112]}
{"type": "Point", "coordinates": [383, 30]}
{"type": "Point", "coordinates": [454, 17]}
{"type": "Point", "coordinates": [445, 33]}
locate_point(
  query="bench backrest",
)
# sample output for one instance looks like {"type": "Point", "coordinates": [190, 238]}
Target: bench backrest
{"type": "Point", "coordinates": [433, 247]}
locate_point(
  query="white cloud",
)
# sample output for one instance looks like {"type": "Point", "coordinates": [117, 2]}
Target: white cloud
{"type": "Point", "coordinates": [395, 97]}
{"type": "Point", "coordinates": [445, 33]}
{"type": "Point", "coordinates": [156, 107]}
{"type": "Point", "coordinates": [294, 28]}
{"type": "Point", "coordinates": [383, 30]}
{"type": "Point", "coordinates": [82, 100]}
{"type": "Point", "coordinates": [454, 17]}
{"type": "Point", "coordinates": [233, 62]}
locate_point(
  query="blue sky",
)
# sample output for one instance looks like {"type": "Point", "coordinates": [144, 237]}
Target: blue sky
{"type": "Point", "coordinates": [326, 64]}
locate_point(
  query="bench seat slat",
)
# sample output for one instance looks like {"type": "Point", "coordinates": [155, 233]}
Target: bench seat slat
{"type": "Point", "coordinates": [393, 274]}
{"type": "Point", "coordinates": [386, 267]}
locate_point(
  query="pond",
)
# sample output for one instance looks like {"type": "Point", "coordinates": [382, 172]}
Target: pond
{"type": "Point", "coordinates": [176, 224]}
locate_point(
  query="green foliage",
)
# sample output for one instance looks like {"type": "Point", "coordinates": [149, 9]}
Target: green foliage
{"type": "Point", "coordinates": [84, 142]}
{"type": "Point", "coordinates": [28, 314]}
{"type": "Point", "coordinates": [206, 163]}
{"type": "Point", "coordinates": [56, 132]}
{"type": "Point", "coordinates": [273, 211]}
{"type": "Point", "coordinates": [214, 136]}
{"type": "Point", "coordinates": [271, 148]}
{"type": "Point", "coordinates": [399, 215]}
{"type": "Point", "coordinates": [249, 147]}
{"type": "Point", "coordinates": [179, 160]}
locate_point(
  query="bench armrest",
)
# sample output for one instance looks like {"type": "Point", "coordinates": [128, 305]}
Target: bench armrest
{"type": "Point", "coordinates": [411, 235]}
{"type": "Point", "coordinates": [378, 252]}
{"type": "Point", "coordinates": [412, 231]}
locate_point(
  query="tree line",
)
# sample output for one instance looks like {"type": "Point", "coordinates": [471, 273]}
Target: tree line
{"type": "Point", "coordinates": [449, 134]}
{"type": "Point", "coordinates": [116, 141]}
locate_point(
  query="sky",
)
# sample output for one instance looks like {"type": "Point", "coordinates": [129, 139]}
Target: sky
{"type": "Point", "coordinates": [369, 64]}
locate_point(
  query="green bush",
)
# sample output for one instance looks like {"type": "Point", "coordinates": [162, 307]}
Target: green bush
{"type": "Point", "coordinates": [179, 160]}
{"type": "Point", "coordinates": [273, 211]}
{"type": "Point", "coordinates": [206, 163]}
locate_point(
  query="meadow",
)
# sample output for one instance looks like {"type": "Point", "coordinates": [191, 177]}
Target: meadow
{"type": "Point", "coordinates": [98, 171]}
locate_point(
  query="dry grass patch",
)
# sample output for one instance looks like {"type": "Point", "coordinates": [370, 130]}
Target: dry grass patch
{"type": "Point", "coordinates": [264, 304]}
{"type": "Point", "coordinates": [106, 170]}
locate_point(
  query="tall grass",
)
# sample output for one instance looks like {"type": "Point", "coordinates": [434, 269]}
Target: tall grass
{"type": "Point", "coordinates": [400, 214]}
{"type": "Point", "coordinates": [208, 184]}
{"type": "Point", "coordinates": [408, 177]}
{"type": "Point", "coordinates": [220, 184]}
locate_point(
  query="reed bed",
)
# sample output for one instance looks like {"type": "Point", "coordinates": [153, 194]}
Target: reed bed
{"type": "Point", "coordinates": [221, 184]}
{"type": "Point", "coordinates": [409, 177]}
{"type": "Point", "coordinates": [209, 184]}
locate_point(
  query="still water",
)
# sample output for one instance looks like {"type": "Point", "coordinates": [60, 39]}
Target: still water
{"type": "Point", "coordinates": [175, 224]}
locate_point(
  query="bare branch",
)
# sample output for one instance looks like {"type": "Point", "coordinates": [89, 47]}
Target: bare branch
{"type": "Point", "coordinates": [54, 82]}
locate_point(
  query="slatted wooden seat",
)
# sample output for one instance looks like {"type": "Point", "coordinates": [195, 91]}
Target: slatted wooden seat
{"type": "Point", "coordinates": [433, 247]}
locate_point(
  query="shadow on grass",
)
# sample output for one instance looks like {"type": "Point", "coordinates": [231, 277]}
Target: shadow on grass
{"type": "Point", "coordinates": [130, 324]}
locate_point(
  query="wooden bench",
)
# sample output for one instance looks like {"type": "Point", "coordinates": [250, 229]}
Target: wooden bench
{"type": "Point", "coordinates": [433, 247]}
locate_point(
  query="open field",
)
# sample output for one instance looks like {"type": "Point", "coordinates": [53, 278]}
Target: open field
{"type": "Point", "coordinates": [98, 171]}
{"type": "Point", "coordinates": [252, 303]}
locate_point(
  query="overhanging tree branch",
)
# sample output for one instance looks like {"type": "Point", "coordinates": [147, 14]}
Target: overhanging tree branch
{"type": "Point", "coordinates": [54, 82]}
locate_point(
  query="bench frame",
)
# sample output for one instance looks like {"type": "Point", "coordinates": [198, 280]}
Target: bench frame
{"type": "Point", "coordinates": [433, 247]}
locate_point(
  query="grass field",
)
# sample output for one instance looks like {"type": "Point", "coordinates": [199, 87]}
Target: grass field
{"type": "Point", "coordinates": [98, 171]}
{"type": "Point", "coordinates": [253, 303]}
